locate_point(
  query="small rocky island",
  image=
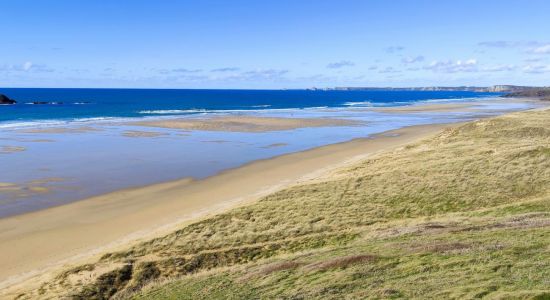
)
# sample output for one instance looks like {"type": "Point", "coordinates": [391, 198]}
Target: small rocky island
{"type": "Point", "coordinates": [6, 100]}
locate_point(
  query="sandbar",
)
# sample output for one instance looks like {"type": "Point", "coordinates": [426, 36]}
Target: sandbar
{"type": "Point", "coordinates": [244, 123]}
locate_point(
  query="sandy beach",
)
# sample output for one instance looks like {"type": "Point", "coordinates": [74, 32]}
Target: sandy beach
{"type": "Point", "coordinates": [275, 150]}
{"type": "Point", "coordinates": [36, 243]}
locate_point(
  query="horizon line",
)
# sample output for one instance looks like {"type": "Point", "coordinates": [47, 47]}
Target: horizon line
{"type": "Point", "coordinates": [280, 89]}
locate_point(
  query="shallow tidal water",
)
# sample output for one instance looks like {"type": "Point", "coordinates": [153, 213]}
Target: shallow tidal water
{"type": "Point", "coordinates": [80, 159]}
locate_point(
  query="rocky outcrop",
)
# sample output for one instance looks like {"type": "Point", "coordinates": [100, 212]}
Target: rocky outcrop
{"type": "Point", "coordinates": [6, 100]}
{"type": "Point", "coordinates": [507, 88]}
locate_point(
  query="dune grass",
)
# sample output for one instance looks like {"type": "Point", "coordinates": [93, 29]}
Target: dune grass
{"type": "Point", "coordinates": [463, 215]}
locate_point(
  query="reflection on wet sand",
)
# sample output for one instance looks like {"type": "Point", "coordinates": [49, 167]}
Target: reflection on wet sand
{"type": "Point", "coordinates": [138, 133]}
{"type": "Point", "coordinates": [81, 129]}
{"type": "Point", "coordinates": [33, 187]}
{"type": "Point", "coordinates": [11, 149]}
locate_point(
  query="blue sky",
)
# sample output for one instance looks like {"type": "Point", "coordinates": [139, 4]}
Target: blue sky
{"type": "Point", "coordinates": [273, 44]}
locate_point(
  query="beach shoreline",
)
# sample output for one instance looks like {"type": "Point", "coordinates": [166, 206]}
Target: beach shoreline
{"type": "Point", "coordinates": [161, 149]}
{"type": "Point", "coordinates": [33, 244]}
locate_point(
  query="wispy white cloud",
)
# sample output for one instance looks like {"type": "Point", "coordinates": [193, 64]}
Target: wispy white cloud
{"type": "Point", "coordinates": [266, 72]}
{"type": "Point", "coordinates": [228, 69]}
{"type": "Point", "coordinates": [499, 68]}
{"type": "Point", "coordinates": [536, 69]}
{"type": "Point", "coordinates": [178, 70]}
{"type": "Point", "coordinates": [27, 67]}
{"type": "Point", "coordinates": [544, 49]}
{"type": "Point", "coordinates": [532, 47]}
{"type": "Point", "coordinates": [193, 76]}
{"type": "Point", "coordinates": [499, 44]}
{"type": "Point", "coordinates": [451, 66]}
{"type": "Point", "coordinates": [467, 66]}
{"type": "Point", "coordinates": [260, 75]}
{"type": "Point", "coordinates": [412, 59]}
{"type": "Point", "coordinates": [188, 78]}
{"type": "Point", "coordinates": [533, 59]}
{"type": "Point", "coordinates": [509, 44]}
{"type": "Point", "coordinates": [340, 64]}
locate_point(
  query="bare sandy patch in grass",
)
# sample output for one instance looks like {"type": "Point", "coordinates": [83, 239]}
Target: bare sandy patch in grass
{"type": "Point", "coordinates": [272, 268]}
{"type": "Point", "coordinates": [341, 262]}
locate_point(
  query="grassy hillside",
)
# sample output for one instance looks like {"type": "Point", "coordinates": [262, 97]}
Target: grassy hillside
{"type": "Point", "coordinates": [463, 215]}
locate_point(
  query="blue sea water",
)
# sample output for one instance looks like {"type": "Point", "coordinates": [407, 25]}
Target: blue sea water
{"type": "Point", "coordinates": [71, 104]}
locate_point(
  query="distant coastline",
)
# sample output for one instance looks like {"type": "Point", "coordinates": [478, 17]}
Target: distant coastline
{"type": "Point", "coordinates": [480, 89]}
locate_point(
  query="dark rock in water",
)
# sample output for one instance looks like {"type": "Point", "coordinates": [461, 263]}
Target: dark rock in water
{"type": "Point", "coordinates": [5, 100]}
{"type": "Point", "coordinates": [40, 102]}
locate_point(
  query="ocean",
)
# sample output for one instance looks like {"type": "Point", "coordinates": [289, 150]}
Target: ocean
{"type": "Point", "coordinates": [84, 104]}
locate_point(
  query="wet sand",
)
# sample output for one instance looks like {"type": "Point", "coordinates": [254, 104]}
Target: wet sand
{"type": "Point", "coordinates": [61, 130]}
{"type": "Point", "coordinates": [445, 107]}
{"type": "Point", "coordinates": [244, 123]}
{"type": "Point", "coordinates": [11, 149]}
{"type": "Point", "coordinates": [36, 244]}
{"type": "Point", "coordinates": [137, 133]}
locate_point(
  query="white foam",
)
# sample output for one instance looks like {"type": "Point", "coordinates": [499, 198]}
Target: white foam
{"type": "Point", "coordinates": [170, 111]}
{"type": "Point", "coordinates": [27, 124]}
{"type": "Point", "coordinates": [56, 122]}
{"type": "Point", "coordinates": [359, 103]}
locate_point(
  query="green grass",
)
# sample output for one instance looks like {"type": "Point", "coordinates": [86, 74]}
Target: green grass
{"type": "Point", "coordinates": [463, 215]}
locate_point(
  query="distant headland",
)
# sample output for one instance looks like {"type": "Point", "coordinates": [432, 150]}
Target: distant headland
{"type": "Point", "coordinates": [486, 89]}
